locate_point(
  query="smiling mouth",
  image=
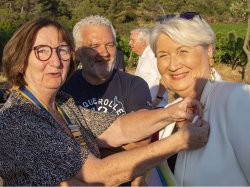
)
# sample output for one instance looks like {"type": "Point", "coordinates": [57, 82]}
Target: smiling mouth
{"type": "Point", "coordinates": [179, 76]}
{"type": "Point", "coordinates": [55, 74]}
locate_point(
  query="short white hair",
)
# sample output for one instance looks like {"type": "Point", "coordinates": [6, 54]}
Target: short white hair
{"type": "Point", "coordinates": [90, 20]}
{"type": "Point", "coordinates": [189, 32]}
{"type": "Point", "coordinates": [143, 33]}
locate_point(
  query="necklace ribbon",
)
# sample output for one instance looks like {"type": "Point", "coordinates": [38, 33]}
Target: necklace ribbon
{"type": "Point", "coordinates": [28, 95]}
{"type": "Point", "coordinates": [75, 130]}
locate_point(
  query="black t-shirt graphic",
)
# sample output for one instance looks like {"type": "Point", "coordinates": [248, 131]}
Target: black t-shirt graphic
{"type": "Point", "coordinates": [121, 94]}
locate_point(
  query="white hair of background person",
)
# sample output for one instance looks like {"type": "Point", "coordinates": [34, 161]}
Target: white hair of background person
{"type": "Point", "coordinates": [189, 32]}
{"type": "Point", "coordinates": [143, 33]}
{"type": "Point", "coordinates": [90, 20]}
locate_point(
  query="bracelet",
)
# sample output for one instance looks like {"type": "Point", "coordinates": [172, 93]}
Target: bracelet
{"type": "Point", "coordinates": [159, 97]}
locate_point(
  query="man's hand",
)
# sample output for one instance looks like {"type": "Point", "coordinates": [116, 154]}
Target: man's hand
{"type": "Point", "coordinates": [185, 109]}
{"type": "Point", "coordinates": [193, 135]}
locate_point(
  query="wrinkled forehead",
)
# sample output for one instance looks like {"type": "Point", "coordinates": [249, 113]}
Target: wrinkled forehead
{"type": "Point", "coordinates": [134, 35]}
{"type": "Point", "coordinates": [97, 33]}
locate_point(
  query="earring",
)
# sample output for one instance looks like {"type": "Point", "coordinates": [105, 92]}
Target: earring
{"type": "Point", "coordinates": [212, 71]}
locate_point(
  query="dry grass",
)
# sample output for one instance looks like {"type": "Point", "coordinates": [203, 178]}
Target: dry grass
{"type": "Point", "coordinates": [229, 74]}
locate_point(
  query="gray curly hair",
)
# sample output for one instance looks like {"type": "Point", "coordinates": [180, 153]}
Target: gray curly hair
{"type": "Point", "coordinates": [90, 20]}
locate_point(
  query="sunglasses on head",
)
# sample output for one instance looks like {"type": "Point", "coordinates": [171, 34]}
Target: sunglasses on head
{"type": "Point", "coordinates": [189, 15]}
{"type": "Point", "coordinates": [184, 15]}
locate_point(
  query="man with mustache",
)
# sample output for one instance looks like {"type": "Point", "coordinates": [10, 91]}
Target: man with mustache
{"type": "Point", "coordinates": [98, 85]}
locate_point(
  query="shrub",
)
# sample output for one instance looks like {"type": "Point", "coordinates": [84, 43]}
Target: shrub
{"type": "Point", "coordinates": [229, 50]}
{"type": "Point", "coordinates": [129, 57]}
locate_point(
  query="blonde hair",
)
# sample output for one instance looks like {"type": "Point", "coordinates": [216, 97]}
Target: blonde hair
{"type": "Point", "coordinates": [189, 32]}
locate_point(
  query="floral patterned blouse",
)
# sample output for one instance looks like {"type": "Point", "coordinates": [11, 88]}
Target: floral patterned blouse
{"type": "Point", "coordinates": [35, 150]}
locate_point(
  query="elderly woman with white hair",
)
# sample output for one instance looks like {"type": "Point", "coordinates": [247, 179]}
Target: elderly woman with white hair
{"type": "Point", "coordinates": [184, 46]}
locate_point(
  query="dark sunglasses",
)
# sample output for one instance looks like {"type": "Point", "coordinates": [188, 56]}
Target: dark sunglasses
{"type": "Point", "coordinates": [184, 15]}
{"type": "Point", "coordinates": [189, 15]}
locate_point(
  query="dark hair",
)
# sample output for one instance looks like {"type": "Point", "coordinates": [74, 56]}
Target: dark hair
{"type": "Point", "coordinates": [17, 50]}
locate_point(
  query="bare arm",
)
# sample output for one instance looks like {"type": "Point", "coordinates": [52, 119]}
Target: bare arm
{"type": "Point", "coordinates": [114, 169]}
{"type": "Point", "coordinates": [146, 122]}
{"type": "Point", "coordinates": [140, 143]}
{"type": "Point", "coordinates": [140, 180]}
{"type": "Point", "coordinates": [137, 144]}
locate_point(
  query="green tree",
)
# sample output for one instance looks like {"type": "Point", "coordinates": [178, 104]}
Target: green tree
{"type": "Point", "coordinates": [242, 8]}
{"type": "Point", "coordinates": [86, 8]}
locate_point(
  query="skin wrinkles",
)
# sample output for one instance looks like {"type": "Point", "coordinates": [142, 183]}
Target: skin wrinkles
{"type": "Point", "coordinates": [183, 68]}
{"type": "Point", "coordinates": [46, 76]}
{"type": "Point", "coordinates": [137, 45]}
{"type": "Point", "coordinates": [97, 53]}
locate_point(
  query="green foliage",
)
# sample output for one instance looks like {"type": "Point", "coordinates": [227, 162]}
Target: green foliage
{"type": "Point", "coordinates": [126, 15]}
{"type": "Point", "coordinates": [129, 57]}
{"type": "Point", "coordinates": [4, 37]}
{"type": "Point", "coordinates": [229, 50]}
{"type": "Point", "coordinates": [133, 3]}
{"type": "Point", "coordinates": [147, 18]}
{"type": "Point", "coordinates": [130, 16]}
{"type": "Point", "coordinates": [239, 8]}
{"type": "Point", "coordinates": [125, 28]}
{"type": "Point", "coordinates": [229, 43]}
{"type": "Point", "coordinates": [122, 44]}
{"type": "Point", "coordinates": [239, 28]}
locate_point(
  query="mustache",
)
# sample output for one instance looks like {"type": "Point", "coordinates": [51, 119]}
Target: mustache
{"type": "Point", "coordinates": [98, 59]}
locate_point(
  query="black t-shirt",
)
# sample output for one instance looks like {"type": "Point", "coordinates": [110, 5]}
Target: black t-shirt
{"type": "Point", "coordinates": [119, 61]}
{"type": "Point", "coordinates": [121, 94]}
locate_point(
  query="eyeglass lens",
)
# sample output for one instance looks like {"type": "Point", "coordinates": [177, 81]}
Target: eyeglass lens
{"type": "Point", "coordinates": [44, 52]}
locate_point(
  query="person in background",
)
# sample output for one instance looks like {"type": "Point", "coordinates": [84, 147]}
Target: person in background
{"type": "Point", "coordinates": [147, 65]}
{"type": "Point", "coordinates": [119, 61]}
{"type": "Point", "coordinates": [48, 140]}
{"type": "Point", "coordinates": [99, 85]}
{"type": "Point", "coordinates": [184, 47]}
